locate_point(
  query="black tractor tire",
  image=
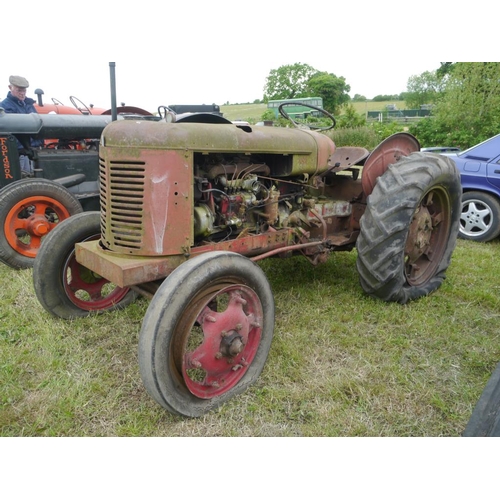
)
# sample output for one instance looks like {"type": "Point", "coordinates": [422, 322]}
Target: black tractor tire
{"type": "Point", "coordinates": [485, 419]}
{"type": "Point", "coordinates": [187, 327]}
{"type": "Point", "coordinates": [29, 210]}
{"type": "Point", "coordinates": [480, 218]}
{"type": "Point", "coordinates": [409, 229]}
{"type": "Point", "coordinates": [67, 289]}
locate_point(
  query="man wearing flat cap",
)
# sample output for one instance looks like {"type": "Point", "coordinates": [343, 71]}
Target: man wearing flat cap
{"type": "Point", "coordinates": [17, 102]}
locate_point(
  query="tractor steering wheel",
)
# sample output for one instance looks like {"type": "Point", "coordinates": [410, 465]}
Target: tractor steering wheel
{"type": "Point", "coordinates": [166, 113]}
{"type": "Point", "coordinates": [73, 100]}
{"type": "Point", "coordinates": [310, 126]}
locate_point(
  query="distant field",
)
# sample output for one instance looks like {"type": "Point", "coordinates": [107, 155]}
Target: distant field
{"type": "Point", "coordinates": [243, 111]}
{"type": "Point", "coordinates": [363, 107]}
{"type": "Point", "coordinates": [253, 112]}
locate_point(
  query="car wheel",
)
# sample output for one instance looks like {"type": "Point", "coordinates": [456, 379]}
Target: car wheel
{"type": "Point", "coordinates": [480, 217]}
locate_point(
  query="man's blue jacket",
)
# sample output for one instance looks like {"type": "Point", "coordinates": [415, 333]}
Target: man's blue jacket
{"type": "Point", "coordinates": [12, 104]}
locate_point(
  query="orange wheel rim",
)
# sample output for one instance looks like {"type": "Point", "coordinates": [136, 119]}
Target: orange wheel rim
{"type": "Point", "coordinates": [30, 220]}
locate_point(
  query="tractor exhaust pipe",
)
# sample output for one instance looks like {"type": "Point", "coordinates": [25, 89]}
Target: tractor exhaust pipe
{"type": "Point", "coordinates": [112, 79]}
{"type": "Point", "coordinates": [39, 94]}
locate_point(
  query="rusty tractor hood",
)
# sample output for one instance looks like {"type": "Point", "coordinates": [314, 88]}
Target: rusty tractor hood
{"type": "Point", "coordinates": [223, 138]}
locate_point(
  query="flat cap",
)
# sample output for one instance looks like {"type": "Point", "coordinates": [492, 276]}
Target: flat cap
{"type": "Point", "coordinates": [18, 81]}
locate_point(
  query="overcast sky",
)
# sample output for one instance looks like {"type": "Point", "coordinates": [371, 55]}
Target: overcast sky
{"type": "Point", "coordinates": [218, 51]}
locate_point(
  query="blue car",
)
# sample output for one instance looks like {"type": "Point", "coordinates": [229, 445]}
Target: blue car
{"type": "Point", "coordinates": [479, 168]}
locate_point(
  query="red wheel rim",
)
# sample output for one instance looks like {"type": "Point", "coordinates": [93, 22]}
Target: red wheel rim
{"type": "Point", "coordinates": [427, 237]}
{"type": "Point", "coordinates": [88, 290]}
{"type": "Point", "coordinates": [30, 220]}
{"type": "Point", "coordinates": [219, 338]}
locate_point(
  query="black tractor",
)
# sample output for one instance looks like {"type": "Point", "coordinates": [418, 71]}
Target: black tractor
{"type": "Point", "coordinates": [64, 153]}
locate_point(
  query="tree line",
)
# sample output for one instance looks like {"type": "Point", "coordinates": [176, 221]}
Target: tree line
{"type": "Point", "coordinates": [464, 96]}
{"type": "Point", "coordinates": [466, 103]}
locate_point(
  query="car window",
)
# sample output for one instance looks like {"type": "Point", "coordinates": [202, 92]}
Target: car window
{"type": "Point", "coordinates": [485, 151]}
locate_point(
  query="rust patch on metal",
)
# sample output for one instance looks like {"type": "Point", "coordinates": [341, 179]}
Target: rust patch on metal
{"type": "Point", "coordinates": [124, 270]}
{"type": "Point", "coordinates": [346, 157]}
{"type": "Point", "coordinates": [385, 154]}
{"type": "Point", "coordinates": [127, 270]}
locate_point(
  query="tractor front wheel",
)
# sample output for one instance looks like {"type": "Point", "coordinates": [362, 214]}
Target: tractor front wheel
{"type": "Point", "coordinates": [64, 287]}
{"type": "Point", "coordinates": [207, 333]}
{"type": "Point", "coordinates": [410, 227]}
{"type": "Point", "coordinates": [29, 210]}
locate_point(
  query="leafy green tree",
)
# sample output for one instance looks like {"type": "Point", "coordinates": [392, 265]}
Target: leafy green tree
{"type": "Point", "coordinates": [472, 97]}
{"type": "Point", "coordinates": [468, 111]}
{"type": "Point", "coordinates": [350, 118]}
{"type": "Point", "coordinates": [445, 69]}
{"type": "Point", "coordinates": [425, 88]}
{"type": "Point", "coordinates": [334, 90]}
{"type": "Point", "coordinates": [431, 132]}
{"type": "Point", "coordinates": [288, 82]}
{"type": "Point", "coordinates": [301, 80]}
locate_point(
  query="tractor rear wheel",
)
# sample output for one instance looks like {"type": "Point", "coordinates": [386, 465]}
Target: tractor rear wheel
{"type": "Point", "coordinates": [207, 333]}
{"type": "Point", "coordinates": [64, 287]}
{"type": "Point", "coordinates": [30, 209]}
{"type": "Point", "coordinates": [410, 227]}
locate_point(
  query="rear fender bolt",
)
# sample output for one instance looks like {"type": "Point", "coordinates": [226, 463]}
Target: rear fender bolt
{"type": "Point", "coordinates": [223, 333]}
{"type": "Point", "coordinates": [238, 327]}
{"type": "Point", "coordinates": [218, 355]}
{"type": "Point", "coordinates": [212, 319]}
{"type": "Point", "coordinates": [195, 363]}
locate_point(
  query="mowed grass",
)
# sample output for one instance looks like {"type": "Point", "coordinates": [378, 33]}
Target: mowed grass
{"type": "Point", "coordinates": [243, 111]}
{"type": "Point", "coordinates": [341, 363]}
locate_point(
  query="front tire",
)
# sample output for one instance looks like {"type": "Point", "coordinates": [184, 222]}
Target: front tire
{"type": "Point", "coordinates": [67, 289]}
{"type": "Point", "coordinates": [207, 333]}
{"type": "Point", "coordinates": [480, 217]}
{"type": "Point", "coordinates": [409, 229]}
{"type": "Point", "coordinates": [30, 209]}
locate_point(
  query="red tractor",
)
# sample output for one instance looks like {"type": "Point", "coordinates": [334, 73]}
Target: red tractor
{"type": "Point", "coordinates": [189, 205]}
{"type": "Point", "coordinates": [58, 108]}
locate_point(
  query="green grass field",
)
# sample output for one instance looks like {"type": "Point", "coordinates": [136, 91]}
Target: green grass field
{"type": "Point", "coordinates": [341, 363]}
{"type": "Point", "coordinates": [254, 112]}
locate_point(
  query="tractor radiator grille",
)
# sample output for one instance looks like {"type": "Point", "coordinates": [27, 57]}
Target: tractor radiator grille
{"type": "Point", "coordinates": [122, 203]}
